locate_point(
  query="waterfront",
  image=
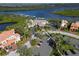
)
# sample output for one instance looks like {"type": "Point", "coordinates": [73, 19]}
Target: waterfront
{"type": "Point", "coordinates": [45, 13]}
{"type": "Point", "coordinates": [41, 39]}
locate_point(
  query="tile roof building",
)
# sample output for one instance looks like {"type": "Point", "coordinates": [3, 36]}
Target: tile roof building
{"type": "Point", "coordinates": [74, 26]}
{"type": "Point", "coordinates": [8, 39]}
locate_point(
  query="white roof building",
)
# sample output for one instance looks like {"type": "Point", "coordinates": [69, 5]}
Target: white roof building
{"type": "Point", "coordinates": [37, 22]}
{"type": "Point", "coordinates": [64, 23]}
{"type": "Point", "coordinates": [40, 22]}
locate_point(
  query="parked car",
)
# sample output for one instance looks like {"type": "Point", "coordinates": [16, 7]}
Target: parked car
{"type": "Point", "coordinates": [38, 45]}
{"type": "Point", "coordinates": [41, 42]}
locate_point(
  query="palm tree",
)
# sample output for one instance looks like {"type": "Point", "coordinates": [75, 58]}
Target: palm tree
{"type": "Point", "coordinates": [2, 52]}
{"type": "Point", "coordinates": [61, 46]}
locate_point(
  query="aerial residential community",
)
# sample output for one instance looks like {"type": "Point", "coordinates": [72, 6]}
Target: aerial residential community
{"type": "Point", "coordinates": [39, 29]}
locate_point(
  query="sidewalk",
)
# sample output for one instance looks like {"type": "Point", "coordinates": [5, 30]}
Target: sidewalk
{"type": "Point", "coordinates": [13, 53]}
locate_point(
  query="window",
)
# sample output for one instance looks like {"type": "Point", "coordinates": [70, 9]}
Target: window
{"type": "Point", "coordinates": [4, 42]}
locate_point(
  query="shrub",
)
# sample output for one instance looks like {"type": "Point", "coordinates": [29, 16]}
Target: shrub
{"type": "Point", "coordinates": [34, 42]}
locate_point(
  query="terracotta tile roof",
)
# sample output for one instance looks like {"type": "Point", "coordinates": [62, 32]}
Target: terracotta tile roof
{"type": "Point", "coordinates": [5, 34]}
{"type": "Point", "coordinates": [8, 36]}
{"type": "Point", "coordinates": [75, 24]}
{"type": "Point", "coordinates": [9, 42]}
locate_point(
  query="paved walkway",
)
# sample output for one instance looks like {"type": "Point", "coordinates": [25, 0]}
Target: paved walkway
{"type": "Point", "coordinates": [13, 53]}
{"type": "Point", "coordinates": [65, 33]}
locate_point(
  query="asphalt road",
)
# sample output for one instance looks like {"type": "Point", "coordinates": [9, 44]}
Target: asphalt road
{"type": "Point", "coordinates": [43, 50]}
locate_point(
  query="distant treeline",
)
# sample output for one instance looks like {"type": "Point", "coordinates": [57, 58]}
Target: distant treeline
{"type": "Point", "coordinates": [16, 8]}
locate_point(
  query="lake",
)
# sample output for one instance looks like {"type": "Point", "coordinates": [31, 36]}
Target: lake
{"type": "Point", "coordinates": [45, 13]}
{"type": "Point", "coordinates": [4, 25]}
